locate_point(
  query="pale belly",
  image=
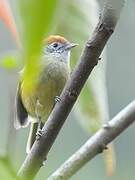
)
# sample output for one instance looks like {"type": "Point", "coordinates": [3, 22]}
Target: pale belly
{"type": "Point", "coordinates": [40, 99]}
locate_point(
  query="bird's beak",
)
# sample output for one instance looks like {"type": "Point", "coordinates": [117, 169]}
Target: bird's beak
{"type": "Point", "coordinates": [70, 46]}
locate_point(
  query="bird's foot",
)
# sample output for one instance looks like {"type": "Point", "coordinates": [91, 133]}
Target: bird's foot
{"type": "Point", "coordinates": [39, 134]}
{"type": "Point", "coordinates": [57, 99]}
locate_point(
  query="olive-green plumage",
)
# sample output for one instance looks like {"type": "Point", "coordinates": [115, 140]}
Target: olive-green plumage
{"type": "Point", "coordinates": [36, 95]}
{"type": "Point", "coordinates": [40, 98]}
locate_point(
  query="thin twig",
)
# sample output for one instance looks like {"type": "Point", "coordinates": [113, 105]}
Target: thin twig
{"type": "Point", "coordinates": [87, 62]}
{"type": "Point", "coordinates": [96, 144]}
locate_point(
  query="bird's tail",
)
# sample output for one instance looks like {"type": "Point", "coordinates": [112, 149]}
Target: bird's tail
{"type": "Point", "coordinates": [32, 136]}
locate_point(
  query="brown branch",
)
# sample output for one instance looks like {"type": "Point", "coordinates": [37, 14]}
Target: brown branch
{"type": "Point", "coordinates": [88, 60]}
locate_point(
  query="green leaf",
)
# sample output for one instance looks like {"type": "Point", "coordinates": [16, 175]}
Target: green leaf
{"type": "Point", "coordinates": [36, 20]}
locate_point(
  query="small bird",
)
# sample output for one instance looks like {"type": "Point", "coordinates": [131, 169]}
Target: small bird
{"type": "Point", "coordinates": [35, 99]}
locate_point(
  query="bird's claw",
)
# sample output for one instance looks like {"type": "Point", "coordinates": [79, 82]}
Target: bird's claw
{"type": "Point", "coordinates": [39, 134]}
{"type": "Point", "coordinates": [57, 99]}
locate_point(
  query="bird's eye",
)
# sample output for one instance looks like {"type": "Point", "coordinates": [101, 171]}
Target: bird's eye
{"type": "Point", "coordinates": [55, 45]}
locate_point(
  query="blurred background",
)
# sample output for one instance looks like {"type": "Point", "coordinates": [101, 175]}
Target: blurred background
{"type": "Point", "coordinates": [120, 73]}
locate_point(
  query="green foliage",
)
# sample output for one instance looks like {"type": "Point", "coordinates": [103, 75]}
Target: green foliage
{"type": "Point", "coordinates": [5, 171]}
{"type": "Point", "coordinates": [9, 62]}
{"type": "Point", "coordinates": [36, 19]}
{"type": "Point", "coordinates": [87, 104]}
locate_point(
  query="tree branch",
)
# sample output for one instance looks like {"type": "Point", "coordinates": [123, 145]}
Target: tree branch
{"type": "Point", "coordinates": [96, 144]}
{"type": "Point", "coordinates": [88, 60]}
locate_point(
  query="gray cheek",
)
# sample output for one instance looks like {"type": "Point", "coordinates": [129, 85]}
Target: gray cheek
{"type": "Point", "coordinates": [59, 56]}
{"type": "Point", "coordinates": [65, 56]}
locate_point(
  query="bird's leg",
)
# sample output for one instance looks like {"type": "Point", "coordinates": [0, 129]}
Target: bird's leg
{"type": "Point", "coordinates": [39, 130]}
{"type": "Point", "coordinates": [57, 99]}
{"type": "Point", "coordinates": [36, 110]}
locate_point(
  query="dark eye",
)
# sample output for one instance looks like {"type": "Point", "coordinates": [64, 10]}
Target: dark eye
{"type": "Point", "coordinates": [55, 45]}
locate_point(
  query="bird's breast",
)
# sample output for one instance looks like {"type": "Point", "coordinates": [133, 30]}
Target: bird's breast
{"type": "Point", "coordinates": [49, 84]}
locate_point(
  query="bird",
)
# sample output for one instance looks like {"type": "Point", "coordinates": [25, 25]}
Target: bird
{"type": "Point", "coordinates": [36, 97]}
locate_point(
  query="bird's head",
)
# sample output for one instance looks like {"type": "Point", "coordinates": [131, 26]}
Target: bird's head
{"type": "Point", "coordinates": [57, 48]}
